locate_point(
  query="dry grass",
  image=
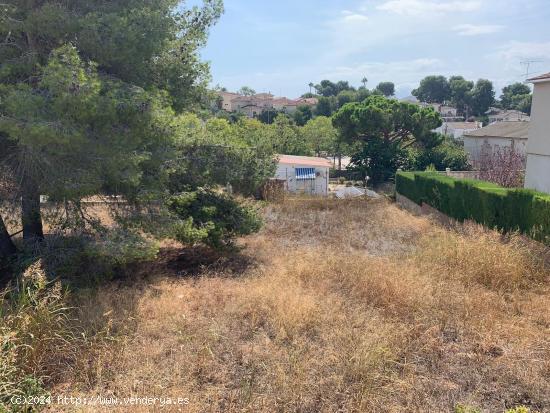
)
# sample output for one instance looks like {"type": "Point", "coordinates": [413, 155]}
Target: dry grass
{"type": "Point", "coordinates": [351, 306]}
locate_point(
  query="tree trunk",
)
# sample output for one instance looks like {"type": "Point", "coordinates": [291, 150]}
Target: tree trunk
{"type": "Point", "coordinates": [30, 212]}
{"type": "Point", "coordinates": [7, 248]}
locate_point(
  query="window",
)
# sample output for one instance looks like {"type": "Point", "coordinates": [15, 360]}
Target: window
{"type": "Point", "coordinates": [303, 174]}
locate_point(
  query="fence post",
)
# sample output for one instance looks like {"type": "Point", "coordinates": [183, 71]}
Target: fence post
{"type": "Point", "coordinates": [448, 171]}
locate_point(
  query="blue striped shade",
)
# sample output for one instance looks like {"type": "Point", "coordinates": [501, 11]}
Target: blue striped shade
{"type": "Point", "coordinates": [305, 173]}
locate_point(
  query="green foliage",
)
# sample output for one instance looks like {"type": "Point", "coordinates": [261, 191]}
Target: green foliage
{"type": "Point", "coordinates": [461, 408]}
{"type": "Point", "coordinates": [327, 88]}
{"type": "Point", "coordinates": [325, 106]}
{"type": "Point", "coordinates": [211, 218]}
{"type": "Point", "coordinates": [461, 93]}
{"type": "Point", "coordinates": [433, 89]}
{"type": "Point", "coordinates": [33, 322]}
{"type": "Point", "coordinates": [388, 119]}
{"type": "Point", "coordinates": [386, 88]}
{"type": "Point", "coordinates": [217, 152]}
{"type": "Point", "coordinates": [302, 115]}
{"type": "Point", "coordinates": [468, 97]}
{"type": "Point", "coordinates": [448, 154]}
{"type": "Point", "coordinates": [482, 97]}
{"type": "Point", "coordinates": [516, 96]}
{"type": "Point", "coordinates": [268, 116]}
{"type": "Point", "coordinates": [489, 204]}
{"type": "Point", "coordinates": [345, 96]}
{"type": "Point", "coordinates": [92, 133]}
{"type": "Point", "coordinates": [519, 409]}
{"type": "Point", "coordinates": [88, 93]}
{"type": "Point", "coordinates": [406, 186]}
{"type": "Point", "coordinates": [246, 91]}
{"type": "Point", "coordinates": [321, 135]}
{"type": "Point", "coordinates": [378, 159]}
{"type": "Point", "coordinates": [287, 138]}
{"type": "Point", "coordinates": [84, 260]}
{"type": "Point", "coordinates": [382, 128]}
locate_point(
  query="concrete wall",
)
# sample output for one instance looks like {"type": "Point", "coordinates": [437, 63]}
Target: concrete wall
{"type": "Point", "coordinates": [475, 146]}
{"type": "Point", "coordinates": [318, 186]}
{"type": "Point", "coordinates": [537, 175]}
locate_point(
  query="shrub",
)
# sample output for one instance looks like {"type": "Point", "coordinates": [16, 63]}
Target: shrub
{"type": "Point", "coordinates": [378, 160]}
{"type": "Point", "coordinates": [448, 154]}
{"type": "Point", "coordinates": [212, 218]}
{"type": "Point", "coordinates": [34, 330]}
{"type": "Point", "coordinates": [83, 260]}
{"type": "Point", "coordinates": [484, 202]}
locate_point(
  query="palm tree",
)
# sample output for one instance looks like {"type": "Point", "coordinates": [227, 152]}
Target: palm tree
{"type": "Point", "coordinates": [364, 81]}
{"type": "Point", "coordinates": [310, 86]}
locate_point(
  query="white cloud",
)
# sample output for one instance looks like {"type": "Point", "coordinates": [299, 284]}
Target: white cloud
{"type": "Point", "coordinates": [475, 30]}
{"type": "Point", "coordinates": [349, 16]}
{"type": "Point", "coordinates": [426, 7]}
{"type": "Point", "coordinates": [515, 51]}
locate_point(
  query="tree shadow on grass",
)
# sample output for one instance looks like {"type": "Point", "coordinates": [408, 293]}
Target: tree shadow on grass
{"type": "Point", "coordinates": [200, 260]}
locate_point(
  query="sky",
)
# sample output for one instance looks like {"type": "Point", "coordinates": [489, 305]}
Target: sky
{"type": "Point", "coordinates": [281, 46]}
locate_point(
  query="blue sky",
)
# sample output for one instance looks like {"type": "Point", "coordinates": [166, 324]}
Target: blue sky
{"type": "Point", "coordinates": [280, 46]}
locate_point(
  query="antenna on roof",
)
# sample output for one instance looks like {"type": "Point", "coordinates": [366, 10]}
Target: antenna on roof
{"type": "Point", "coordinates": [527, 63]}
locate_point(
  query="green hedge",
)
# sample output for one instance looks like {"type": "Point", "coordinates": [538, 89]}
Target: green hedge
{"type": "Point", "coordinates": [489, 204]}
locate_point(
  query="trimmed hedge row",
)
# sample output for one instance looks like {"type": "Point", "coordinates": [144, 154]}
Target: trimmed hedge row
{"type": "Point", "coordinates": [489, 204]}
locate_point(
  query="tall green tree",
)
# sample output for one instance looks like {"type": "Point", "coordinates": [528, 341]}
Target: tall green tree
{"type": "Point", "coordinates": [327, 88]}
{"type": "Point", "coordinates": [386, 88]}
{"type": "Point", "coordinates": [346, 96]}
{"type": "Point", "coordinates": [461, 93]}
{"type": "Point", "coordinates": [88, 90]}
{"type": "Point", "coordinates": [325, 106]}
{"type": "Point", "coordinates": [384, 128]}
{"type": "Point", "coordinates": [287, 137]}
{"type": "Point", "coordinates": [516, 96]}
{"type": "Point", "coordinates": [302, 115]}
{"type": "Point", "coordinates": [433, 89]}
{"type": "Point", "coordinates": [321, 135]}
{"type": "Point", "coordinates": [246, 91]}
{"type": "Point", "coordinates": [482, 96]}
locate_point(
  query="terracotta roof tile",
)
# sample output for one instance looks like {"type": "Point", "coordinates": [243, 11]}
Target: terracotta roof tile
{"type": "Point", "coordinates": [545, 76]}
{"type": "Point", "coordinates": [510, 129]}
{"type": "Point", "coordinates": [304, 160]}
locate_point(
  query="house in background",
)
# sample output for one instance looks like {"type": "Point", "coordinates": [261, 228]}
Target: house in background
{"type": "Point", "coordinates": [253, 106]}
{"type": "Point", "coordinates": [304, 174]}
{"type": "Point", "coordinates": [485, 141]}
{"type": "Point", "coordinates": [227, 98]}
{"type": "Point", "coordinates": [284, 104]}
{"type": "Point", "coordinates": [504, 115]}
{"type": "Point", "coordinates": [537, 175]}
{"type": "Point", "coordinates": [457, 129]}
{"type": "Point", "coordinates": [446, 111]}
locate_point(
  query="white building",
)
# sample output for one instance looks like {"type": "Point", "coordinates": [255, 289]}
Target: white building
{"type": "Point", "coordinates": [537, 175]}
{"type": "Point", "coordinates": [485, 141]}
{"type": "Point", "coordinates": [457, 129]}
{"type": "Point", "coordinates": [496, 115]}
{"type": "Point", "coordinates": [304, 174]}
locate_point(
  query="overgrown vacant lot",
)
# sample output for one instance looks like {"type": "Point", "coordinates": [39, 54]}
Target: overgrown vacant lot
{"type": "Point", "coordinates": [336, 306]}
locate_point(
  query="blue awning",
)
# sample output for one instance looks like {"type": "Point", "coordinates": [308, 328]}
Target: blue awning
{"type": "Point", "coordinates": [305, 173]}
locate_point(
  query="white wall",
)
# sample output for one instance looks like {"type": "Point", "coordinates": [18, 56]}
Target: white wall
{"type": "Point", "coordinates": [537, 175]}
{"type": "Point", "coordinates": [474, 146]}
{"type": "Point", "coordinates": [319, 186]}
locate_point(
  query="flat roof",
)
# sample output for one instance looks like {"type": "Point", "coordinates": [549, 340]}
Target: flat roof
{"type": "Point", "coordinates": [304, 160]}
{"type": "Point", "coordinates": [463, 125]}
{"type": "Point", "coordinates": [508, 129]}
